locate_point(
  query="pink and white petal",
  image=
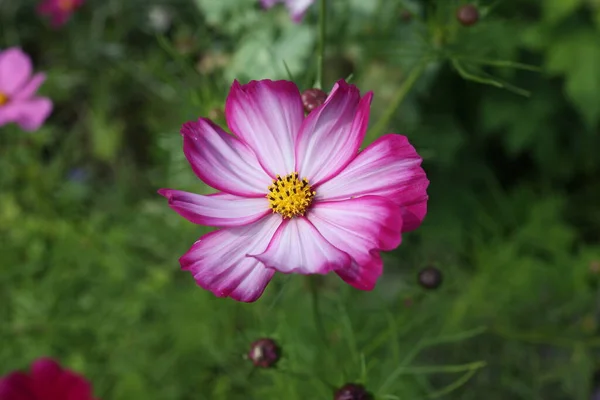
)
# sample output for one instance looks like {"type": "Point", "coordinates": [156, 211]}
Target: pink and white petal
{"type": "Point", "coordinates": [297, 8]}
{"type": "Point", "coordinates": [267, 116]}
{"type": "Point", "coordinates": [29, 89]}
{"type": "Point", "coordinates": [364, 275]}
{"type": "Point", "coordinates": [219, 261]}
{"type": "Point", "coordinates": [220, 209]}
{"type": "Point", "coordinates": [223, 161]}
{"type": "Point", "coordinates": [268, 3]}
{"type": "Point", "coordinates": [298, 247]}
{"type": "Point", "coordinates": [391, 168]}
{"type": "Point", "coordinates": [33, 113]}
{"type": "Point", "coordinates": [331, 135]}
{"type": "Point", "coordinates": [360, 227]}
{"type": "Point", "coordinates": [8, 114]}
{"type": "Point", "coordinates": [29, 114]}
{"type": "Point", "coordinates": [15, 70]}
{"type": "Point", "coordinates": [16, 386]}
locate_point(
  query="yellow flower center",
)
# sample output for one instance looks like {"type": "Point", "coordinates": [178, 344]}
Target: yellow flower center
{"type": "Point", "coordinates": [290, 196]}
{"type": "Point", "coordinates": [3, 99]}
{"type": "Point", "coordinates": [66, 5]}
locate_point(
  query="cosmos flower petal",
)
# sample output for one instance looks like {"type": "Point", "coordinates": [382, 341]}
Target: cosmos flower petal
{"type": "Point", "coordinates": [45, 372]}
{"type": "Point", "coordinates": [46, 381]}
{"type": "Point", "coordinates": [15, 70]}
{"type": "Point", "coordinates": [220, 210]}
{"type": "Point", "coordinates": [298, 247]}
{"type": "Point", "coordinates": [363, 275]}
{"type": "Point", "coordinates": [331, 134]}
{"type": "Point", "coordinates": [297, 8]}
{"type": "Point", "coordinates": [360, 227]}
{"type": "Point", "coordinates": [29, 114]}
{"type": "Point", "coordinates": [219, 263]}
{"type": "Point", "coordinates": [30, 88]}
{"type": "Point", "coordinates": [222, 161]}
{"type": "Point", "coordinates": [16, 386]}
{"type": "Point", "coordinates": [391, 168]}
{"type": "Point", "coordinates": [58, 12]}
{"type": "Point", "coordinates": [267, 116]}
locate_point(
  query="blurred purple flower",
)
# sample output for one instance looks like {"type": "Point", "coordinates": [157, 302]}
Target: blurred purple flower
{"type": "Point", "coordinates": [78, 175]}
{"type": "Point", "coordinates": [59, 11]}
{"type": "Point", "coordinates": [297, 8]}
{"type": "Point", "coordinates": [18, 86]}
{"type": "Point", "coordinates": [47, 380]}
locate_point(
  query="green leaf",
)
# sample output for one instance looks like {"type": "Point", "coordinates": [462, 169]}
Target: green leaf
{"type": "Point", "coordinates": [577, 58]}
{"type": "Point", "coordinates": [555, 10]}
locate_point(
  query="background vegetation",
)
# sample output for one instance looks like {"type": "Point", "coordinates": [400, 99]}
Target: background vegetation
{"type": "Point", "coordinates": [88, 250]}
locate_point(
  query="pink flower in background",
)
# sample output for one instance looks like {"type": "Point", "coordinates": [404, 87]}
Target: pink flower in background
{"type": "Point", "coordinates": [297, 8]}
{"type": "Point", "coordinates": [46, 381]}
{"type": "Point", "coordinates": [296, 195]}
{"type": "Point", "coordinates": [18, 86]}
{"type": "Point", "coordinates": [59, 10]}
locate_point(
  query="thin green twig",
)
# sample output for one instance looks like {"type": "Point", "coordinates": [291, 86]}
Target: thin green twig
{"type": "Point", "coordinates": [322, 39]}
{"type": "Point", "coordinates": [404, 89]}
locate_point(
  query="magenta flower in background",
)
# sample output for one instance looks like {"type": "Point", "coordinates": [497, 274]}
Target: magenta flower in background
{"type": "Point", "coordinates": [59, 11]}
{"type": "Point", "coordinates": [18, 86]}
{"type": "Point", "coordinates": [46, 381]}
{"type": "Point", "coordinates": [297, 8]}
{"type": "Point", "coordinates": [296, 195]}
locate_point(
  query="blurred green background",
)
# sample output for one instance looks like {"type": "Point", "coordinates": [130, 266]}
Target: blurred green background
{"type": "Point", "coordinates": [89, 252]}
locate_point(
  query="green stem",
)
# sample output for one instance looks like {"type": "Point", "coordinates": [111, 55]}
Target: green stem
{"type": "Point", "coordinates": [404, 89]}
{"type": "Point", "coordinates": [314, 291]}
{"type": "Point", "coordinates": [321, 48]}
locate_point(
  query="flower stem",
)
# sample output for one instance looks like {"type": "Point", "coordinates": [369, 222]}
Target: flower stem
{"type": "Point", "coordinates": [321, 48]}
{"type": "Point", "coordinates": [403, 90]}
{"type": "Point", "coordinates": [314, 291]}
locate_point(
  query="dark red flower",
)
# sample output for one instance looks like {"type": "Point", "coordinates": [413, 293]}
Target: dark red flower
{"type": "Point", "coordinates": [47, 380]}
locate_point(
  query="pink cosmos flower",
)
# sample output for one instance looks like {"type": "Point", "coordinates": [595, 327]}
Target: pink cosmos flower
{"type": "Point", "coordinates": [297, 8]}
{"type": "Point", "coordinates": [59, 11]}
{"type": "Point", "coordinates": [18, 85]}
{"type": "Point", "coordinates": [296, 195]}
{"type": "Point", "coordinates": [46, 381]}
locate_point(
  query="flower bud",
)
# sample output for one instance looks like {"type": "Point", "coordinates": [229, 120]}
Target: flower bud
{"type": "Point", "coordinates": [313, 98]}
{"type": "Point", "coordinates": [406, 16]}
{"type": "Point", "coordinates": [430, 278]}
{"type": "Point", "coordinates": [264, 353]}
{"type": "Point", "coordinates": [352, 391]}
{"type": "Point", "coordinates": [467, 15]}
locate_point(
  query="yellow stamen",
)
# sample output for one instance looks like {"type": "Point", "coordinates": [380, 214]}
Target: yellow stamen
{"type": "Point", "coordinates": [290, 196]}
{"type": "Point", "coordinates": [3, 99]}
{"type": "Point", "coordinates": [66, 5]}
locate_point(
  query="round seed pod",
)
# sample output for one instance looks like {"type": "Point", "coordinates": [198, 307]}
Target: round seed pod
{"type": "Point", "coordinates": [430, 278]}
{"type": "Point", "coordinates": [264, 353]}
{"type": "Point", "coordinates": [467, 15]}
{"type": "Point", "coordinates": [313, 98]}
{"type": "Point", "coordinates": [352, 391]}
{"type": "Point", "coordinates": [406, 16]}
